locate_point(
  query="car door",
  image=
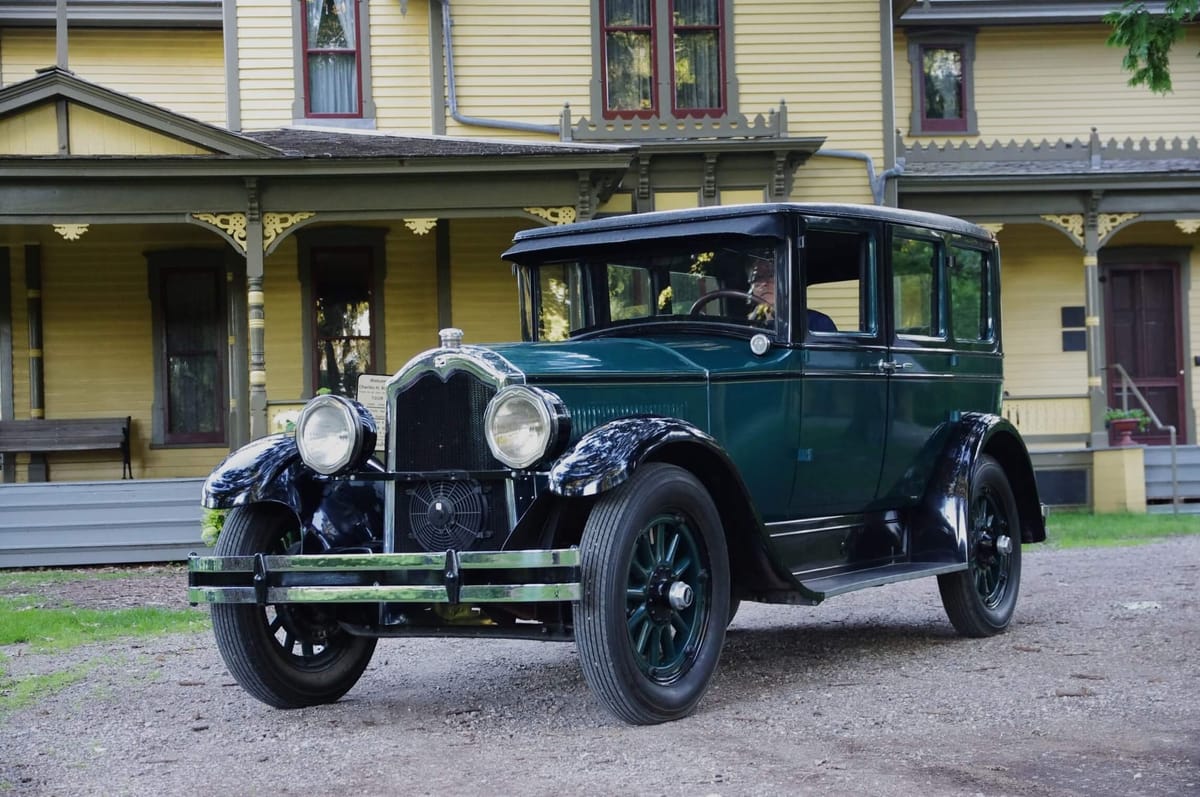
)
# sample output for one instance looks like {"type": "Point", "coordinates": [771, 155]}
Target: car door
{"type": "Point", "coordinates": [944, 350]}
{"type": "Point", "coordinates": [843, 402]}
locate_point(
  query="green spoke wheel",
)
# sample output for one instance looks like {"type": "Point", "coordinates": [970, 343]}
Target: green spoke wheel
{"type": "Point", "coordinates": [286, 655]}
{"type": "Point", "coordinates": [981, 599]}
{"type": "Point", "coordinates": [655, 602]}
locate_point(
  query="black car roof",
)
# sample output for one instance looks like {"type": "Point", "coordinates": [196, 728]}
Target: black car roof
{"type": "Point", "coordinates": [760, 219]}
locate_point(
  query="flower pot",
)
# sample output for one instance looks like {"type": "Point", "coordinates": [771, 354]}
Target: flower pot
{"type": "Point", "coordinates": [1124, 429]}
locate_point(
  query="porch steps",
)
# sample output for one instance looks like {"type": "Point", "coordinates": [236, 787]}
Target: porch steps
{"type": "Point", "coordinates": [84, 523]}
{"type": "Point", "coordinates": [1158, 479]}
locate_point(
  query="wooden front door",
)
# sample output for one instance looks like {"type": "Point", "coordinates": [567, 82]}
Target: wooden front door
{"type": "Point", "coordinates": [1143, 334]}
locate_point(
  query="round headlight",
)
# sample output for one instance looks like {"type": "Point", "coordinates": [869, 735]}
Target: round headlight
{"type": "Point", "coordinates": [332, 434]}
{"type": "Point", "coordinates": [522, 424]}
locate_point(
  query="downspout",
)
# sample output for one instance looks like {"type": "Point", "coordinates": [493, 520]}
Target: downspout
{"type": "Point", "coordinates": [878, 182]}
{"type": "Point", "coordinates": [452, 95]}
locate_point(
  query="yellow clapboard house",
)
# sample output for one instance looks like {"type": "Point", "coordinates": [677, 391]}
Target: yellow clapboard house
{"type": "Point", "coordinates": [209, 211]}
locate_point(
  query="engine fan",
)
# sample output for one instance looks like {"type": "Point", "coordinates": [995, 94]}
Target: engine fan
{"type": "Point", "coordinates": [447, 514]}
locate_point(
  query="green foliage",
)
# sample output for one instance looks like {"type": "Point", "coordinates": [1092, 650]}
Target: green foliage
{"type": "Point", "coordinates": [27, 619]}
{"type": "Point", "coordinates": [1138, 414]}
{"type": "Point", "coordinates": [211, 525]}
{"type": "Point", "coordinates": [1066, 529]}
{"type": "Point", "coordinates": [1148, 37]}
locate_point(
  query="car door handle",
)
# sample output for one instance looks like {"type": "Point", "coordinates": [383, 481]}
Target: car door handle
{"type": "Point", "coordinates": [890, 366]}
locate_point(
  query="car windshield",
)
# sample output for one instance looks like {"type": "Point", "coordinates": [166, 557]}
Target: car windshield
{"type": "Point", "coordinates": [716, 281]}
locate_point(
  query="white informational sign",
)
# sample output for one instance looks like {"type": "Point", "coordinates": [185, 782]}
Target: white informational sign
{"type": "Point", "coordinates": [372, 394]}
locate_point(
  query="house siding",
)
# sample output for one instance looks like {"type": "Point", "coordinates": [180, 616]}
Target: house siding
{"type": "Point", "coordinates": [1058, 82]}
{"type": "Point", "coordinates": [400, 66]}
{"type": "Point", "coordinates": [483, 289]}
{"type": "Point", "coordinates": [521, 62]}
{"type": "Point", "coordinates": [31, 133]}
{"type": "Point", "coordinates": [833, 84]}
{"type": "Point", "coordinates": [182, 70]}
{"type": "Point", "coordinates": [266, 64]}
{"type": "Point", "coordinates": [95, 133]}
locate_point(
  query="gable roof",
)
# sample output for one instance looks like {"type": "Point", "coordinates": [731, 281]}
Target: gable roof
{"type": "Point", "coordinates": [54, 84]}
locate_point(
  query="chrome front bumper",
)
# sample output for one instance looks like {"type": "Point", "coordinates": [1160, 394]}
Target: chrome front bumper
{"type": "Point", "coordinates": [452, 577]}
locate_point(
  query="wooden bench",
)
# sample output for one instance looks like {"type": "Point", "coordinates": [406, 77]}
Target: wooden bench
{"type": "Point", "coordinates": [68, 434]}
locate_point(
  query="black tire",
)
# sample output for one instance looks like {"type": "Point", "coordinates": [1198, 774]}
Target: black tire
{"type": "Point", "coordinates": [290, 655]}
{"type": "Point", "coordinates": [646, 655]}
{"type": "Point", "coordinates": [981, 599]}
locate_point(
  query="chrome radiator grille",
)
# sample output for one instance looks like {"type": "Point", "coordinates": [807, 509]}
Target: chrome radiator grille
{"type": "Point", "coordinates": [439, 425]}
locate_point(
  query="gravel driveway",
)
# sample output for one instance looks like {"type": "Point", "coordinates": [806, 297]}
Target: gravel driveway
{"type": "Point", "coordinates": [1094, 691]}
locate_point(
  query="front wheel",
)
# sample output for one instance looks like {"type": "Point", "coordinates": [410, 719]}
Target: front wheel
{"type": "Point", "coordinates": [981, 599]}
{"type": "Point", "coordinates": [286, 655]}
{"type": "Point", "coordinates": [651, 623]}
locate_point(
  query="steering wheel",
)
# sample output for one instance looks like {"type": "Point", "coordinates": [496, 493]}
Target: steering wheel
{"type": "Point", "coordinates": [728, 294]}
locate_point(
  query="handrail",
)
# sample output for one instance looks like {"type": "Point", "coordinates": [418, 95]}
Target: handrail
{"type": "Point", "coordinates": [1127, 385]}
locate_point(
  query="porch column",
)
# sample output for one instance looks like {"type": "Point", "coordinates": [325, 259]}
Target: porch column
{"type": "Point", "coordinates": [1097, 398]}
{"type": "Point", "coordinates": [256, 317]}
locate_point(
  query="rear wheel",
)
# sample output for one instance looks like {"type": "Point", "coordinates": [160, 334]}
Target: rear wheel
{"type": "Point", "coordinates": [651, 623]}
{"type": "Point", "coordinates": [286, 655]}
{"type": "Point", "coordinates": [981, 599]}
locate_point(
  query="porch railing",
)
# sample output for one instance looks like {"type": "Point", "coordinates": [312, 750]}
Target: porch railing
{"type": "Point", "coordinates": [1127, 387]}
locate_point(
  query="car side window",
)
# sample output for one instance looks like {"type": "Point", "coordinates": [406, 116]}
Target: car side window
{"type": "Point", "coordinates": [839, 267]}
{"type": "Point", "coordinates": [916, 288]}
{"type": "Point", "coordinates": [971, 316]}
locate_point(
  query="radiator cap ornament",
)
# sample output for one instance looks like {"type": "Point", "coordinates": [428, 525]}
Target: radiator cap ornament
{"type": "Point", "coordinates": [451, 337]}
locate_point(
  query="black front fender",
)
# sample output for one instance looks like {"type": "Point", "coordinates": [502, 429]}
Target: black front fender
{"type": "Point", "coordinates": [607, 455]}
{"type": "Point", "coordinates": [942, 522]}
{"type": "Point", "coordinates": [333, 513]}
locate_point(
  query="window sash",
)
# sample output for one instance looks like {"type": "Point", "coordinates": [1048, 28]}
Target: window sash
{"type": "Point", "coordinates": [934, 91]}
{"type": "Point", "coordinates": [193, 355]}
{"type": "Point", "coordinates": [630, 65]}
{"type": "Point", "coordinates": [332, 64]}
{"type": "Point", "coordinates": [698, 38]}
{"type": "Point", "coordinates": [343, 313]}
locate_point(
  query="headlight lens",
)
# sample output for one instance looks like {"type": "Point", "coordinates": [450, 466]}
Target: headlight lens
{"type": "Point", "coordinates": [332, 434]}
{"type": "Point", "coordinates": [523, 424]}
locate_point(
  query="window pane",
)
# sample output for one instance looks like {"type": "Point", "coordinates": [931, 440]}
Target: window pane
{"type": "Point", "coordinates": [342, 318]}
{"type": "Point", "coordinates": [628, 293]}
{"type": "Point", "coordinates": [697, 69]}
{"type": "Point", "coordinates": [193, 336]}
{"type": "Point", "coordinates": [839, 267]}
{"type": "Point", "coordinates": [942, 69]}
{"type": "Point", "coordinates": [193, 401]}
{"type": "Point", "coordinates": [627, 13]}
{"type": "Point", "coordinates": [697, 12]}
{"type": "Point", "coordinates": [914, 285]}
{"type": "Point", "coordinates": [332, 58]}
{"type": "Point", "coordinates": [969, 295]}
{"type": "Point", "coordinates": [630, 79]}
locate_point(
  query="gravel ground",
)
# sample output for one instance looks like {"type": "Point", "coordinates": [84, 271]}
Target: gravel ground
{"type": "Point", "coordinates": [1093, 691]}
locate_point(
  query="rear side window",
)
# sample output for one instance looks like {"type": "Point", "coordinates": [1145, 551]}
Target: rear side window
{"type": "Point", "coordinates": [971, 316]}
{"type": "Point", "coordinates": [915, 287]}
{"type": "Point", "coordinates": [839, 268]}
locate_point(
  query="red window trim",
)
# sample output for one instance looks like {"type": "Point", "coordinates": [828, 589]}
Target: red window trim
{"type": "Point", "coordinates": [700, 113]}
{"type": "Point", "coordinates": [356, 50]}
{"type": "Point", "coordinates": [605, 29]}
{"type": "Point", "coordinates": [958, 125]}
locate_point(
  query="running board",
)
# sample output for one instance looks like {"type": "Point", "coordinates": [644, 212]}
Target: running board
{"type": "Point", "coordinates": [829, 586]}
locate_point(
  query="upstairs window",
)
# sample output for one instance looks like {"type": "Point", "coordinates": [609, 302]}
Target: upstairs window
{"type": "Point", "coordinates": [942, 82]}
{"type": "Point", "coordinates": [332, 58]}
{"type": "Point", "coordinates": [664, 57]}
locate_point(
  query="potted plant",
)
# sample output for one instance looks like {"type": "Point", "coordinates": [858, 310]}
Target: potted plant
{"type": "Point", "coordinates": [1124, 422]}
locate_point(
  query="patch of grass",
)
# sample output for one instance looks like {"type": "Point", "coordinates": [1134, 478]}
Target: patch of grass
{"type": "Point", "coordinates": [1065, 529]}
{"type": "Point", "coordinates": [16, 694]}
{"type": "Point", "coordinates": [38, 578]}
{"type": "Point", "coordinates": [22, 619]}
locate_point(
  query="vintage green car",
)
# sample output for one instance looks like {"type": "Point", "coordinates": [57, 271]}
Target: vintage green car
{"type": "Point", "coordinates": [776, 403]}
